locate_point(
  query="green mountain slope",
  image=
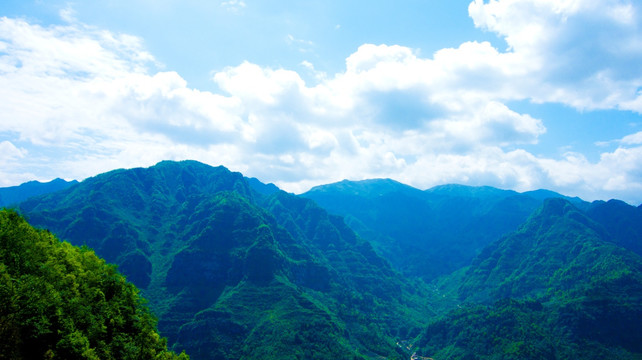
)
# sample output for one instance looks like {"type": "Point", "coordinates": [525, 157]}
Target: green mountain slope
{"type": "Point", "coordinates": [61, 302]}
{"type": "Point", "coordinates": [426, 233]}
{"type": "Point", "coordinates": [234, 273]}
{"type": "Point", "coordinates": [559, 248]}
{"type": "Point", "coordinates": [573, 294]}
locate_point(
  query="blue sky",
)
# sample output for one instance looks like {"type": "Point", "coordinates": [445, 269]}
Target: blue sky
{"type": "Point", "coordinates": [517, 94]}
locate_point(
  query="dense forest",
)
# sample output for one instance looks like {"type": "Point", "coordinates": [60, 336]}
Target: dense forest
{"type": "Point", "coordinates": [234, 268]}
{"type": "Point", "coordinates": [231, 272]}
{"type": "Point", "coordinates": [555, 289]}
{"type": "Point", "coordinates": [58, 301]}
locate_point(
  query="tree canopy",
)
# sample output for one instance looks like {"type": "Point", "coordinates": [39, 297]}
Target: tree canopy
{"type": "Point", "coordinates": [58, 301]}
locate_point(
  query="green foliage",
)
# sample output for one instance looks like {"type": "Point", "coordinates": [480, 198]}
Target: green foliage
{"type": "Point", "coordinates": [242, 271]}
{"type": "Point", "coordinates": [508, 329]}
{"type": "Point", "coordinates": [558, 250]}
{"type": "Point", "coordinates": [232, 273]}
{"type": "Point", "coordinates": [62, 302]}
{"type": "Point", "coordinates": [578, 295]}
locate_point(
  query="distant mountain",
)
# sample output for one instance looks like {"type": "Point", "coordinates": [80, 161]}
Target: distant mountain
{"type": "Point", "coordinates": [60, 301]}
{"type": "Point", "coordinates": [622, 221]}
{"type": "Point", "coordinates": [427, 233]}
{"type": "Point", "coordinates": [543, 194]}
{"type": "Point", "coordinates": [261, 188]}
{"type": "Point", "coordinates": [15, 194]}
{"type": "Point", "coordinates": [234, 271]}
{"type": "Point", "coordinates": [480, 192]}
{"type": "Point", "coordinates": [558, 248]}
{"type": "Point", "coordinates": [556, 288]}
{"type": "Point", "coordinates": [371, 189]}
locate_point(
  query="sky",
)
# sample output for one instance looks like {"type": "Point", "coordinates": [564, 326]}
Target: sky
{"type": "Point", "coordinates": [516, 94]}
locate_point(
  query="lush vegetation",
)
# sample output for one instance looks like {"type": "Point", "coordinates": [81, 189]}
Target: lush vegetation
{"type": "Point", "coordinates": [58, 301]}
{"type": "Point", "coordinates": [238, 269]}
{"type": "Point", "coordinates": [556, 289]}
{"type": "Point", "coordinates": [236, 273]}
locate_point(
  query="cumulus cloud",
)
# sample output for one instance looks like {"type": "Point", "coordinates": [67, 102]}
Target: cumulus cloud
{"type": "Point", "coordinates": [585, 52]}
{"type": "Point", "coordinates": [89, 100]}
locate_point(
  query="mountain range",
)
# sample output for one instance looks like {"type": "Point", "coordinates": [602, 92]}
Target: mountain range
{"type": "Point", "coordinates": [433, 232]}
{"type": "Point", "coordinates": [233, 273]}
{"type": "Point", "coordinates": [235, 268]}
{"type": "Point", "coordinates": [559, 287]}
{"type": "Point", "coordinates": [14, 194]}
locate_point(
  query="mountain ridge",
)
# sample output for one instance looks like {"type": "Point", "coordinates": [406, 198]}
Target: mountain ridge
{"type": "Point", "coordinates": [15, 194]}
{"type": "Point", "coordinates": [235, 268]}
{"type": "Point", "coordinates": [415, 229]}
{"type": "Point", "coordinates": [557, 287]}
{"type": "Point", "coordinates": [205, 248]}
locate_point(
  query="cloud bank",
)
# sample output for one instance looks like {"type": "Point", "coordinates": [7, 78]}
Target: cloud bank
{"type": "Point", "coordinates": [79, 100]}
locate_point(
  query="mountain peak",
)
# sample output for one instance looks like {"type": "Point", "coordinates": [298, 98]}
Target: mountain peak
{"type": "Point", "coordinates": [368, 188]}
{"type": "Point", "coordinates": [560, 212]}
{"type": "Point", "coordinates": [557, 206]}
{"type": "Point", "coordinates": [15, 194]}
{"type": "Point", "coordinates": [469, 191]}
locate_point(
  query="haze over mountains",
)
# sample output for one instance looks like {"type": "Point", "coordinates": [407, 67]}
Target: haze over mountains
{"type": "Point", "coordinates": [235, 268]}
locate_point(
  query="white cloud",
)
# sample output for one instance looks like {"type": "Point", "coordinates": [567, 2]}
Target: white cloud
{"type": "Point", "coordinates": [233, 5]}
{"type": "Point", "coordinates": [585, 53]}
{"type": "Point", "coordinates": [633, 139]}
{"type": "Point", "coordinates": [90, 100]}
{"type": "Point", "coordinates": [302, 45]}
{"type": "Point", "coordinates": [68, 14]}
{"type": "Point", "coordinates": [10, 152]}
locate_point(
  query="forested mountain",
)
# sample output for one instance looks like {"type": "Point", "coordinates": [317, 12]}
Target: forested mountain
{"type": "Point", "coordinates": [58, 301]}
{"type": "Point", "coordinates": [15, 194]}
{"type": "Point", "coordinates": [622, 221]}
{"type": "Point", "coordinates": [427, 233]}
{"type": "Point", "coordinates": [557, 288]}
{"type": "Point", "coordinates": [235, 273]}
{"type": "Point", "coordinates": [235, 268]}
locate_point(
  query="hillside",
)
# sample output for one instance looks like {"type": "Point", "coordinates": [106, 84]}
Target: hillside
{"type": "Point", "coordinates": [235, 268]}
{"type": "Point", "coordinates": [556, 288]}
{"type": "Point", "coordinates": [427, 233]}
{"type": "Point", "coordinates": [234, 273]}
{"type": "Point", "coordinates": [59, 301]}
{"type": "Point", "coordinates": [622, 221]}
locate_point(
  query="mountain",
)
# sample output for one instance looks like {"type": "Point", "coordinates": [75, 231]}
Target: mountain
{"type": "Point", "coordinates": [235, 268]}
{"type": "Point", "coordinates": [15, 194]}
{"type": "Point", "coordinates": [426, 233]}
{"type": "Point", "coordinates": [60, 301]}
{"type": "Point", "coordinates": [558, 287]}
{"type": "Point", "coordinates": [559, 247]}
{"type": "Point", "coordinates": [232, 272]}
{"type": "Point", "coordinates": [261, 188]}
{"type": "Point", "coordinates": [622, 221]}
{"type": "Point", "coordinates": [543, 194]}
